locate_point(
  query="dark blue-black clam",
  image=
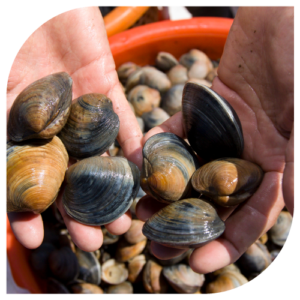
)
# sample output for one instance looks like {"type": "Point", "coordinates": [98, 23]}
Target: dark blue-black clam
{"type": "Point", "coordinates": [100, 189]}
{"type": "Point", "coordinates": [211, 125]}
{"type": "Point", "coordinates": [41, 109]}
{"type": "Point", "coordinates": [91, 127]}
{"type": "Point", "coordinates": [187, 223]}
{"type": "Point", "coordinates": [169, 163]}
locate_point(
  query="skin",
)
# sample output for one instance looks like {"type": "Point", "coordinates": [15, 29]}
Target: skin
{"type": "Point", "coordinates": [255, 76]}
{"type": "Point", "coordinates": [81, 50]}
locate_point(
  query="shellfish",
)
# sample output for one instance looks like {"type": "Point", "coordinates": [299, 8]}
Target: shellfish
{"type": "Point", "coordinates": [35, 172]}
{"type": "Point", "coordinates": [228, 181]}
{"type": "Point", "coordinates": [187, 223]}
{"type": "Point", "coordinates": [169, 162]}
{"type": "Point", "coordinates": [211, 125]}
{"type": "Point", "coordinates": [100, 189]}
{"type": "Point", "coordinates": [42, 109]}
{"type": "Point", "coordinates": [91, 127]}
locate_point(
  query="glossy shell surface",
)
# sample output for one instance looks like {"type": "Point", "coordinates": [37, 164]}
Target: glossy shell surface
{"type": "Point", "coordinates": [228, 181]}
{"type": "Point", "coordinates": [42, 109]}
{"type": "Point", "coordinates": [91, 127]}
{"type": "Point", "coordinates": [100, 189]}
{"type": "Point", "coordinates": [169, 163]}
{"type": "Point", "coordinates": [187, 223]}
{"type": "Point", "coordinates": [210, 123]}
{"type": "Point", "coordinates": [35, 172]}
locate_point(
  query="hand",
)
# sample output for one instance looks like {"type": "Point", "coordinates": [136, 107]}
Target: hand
{"type": "Point", "coordinates": [256, 76]}
{"type": "Point", "coordinates": [74, 42]}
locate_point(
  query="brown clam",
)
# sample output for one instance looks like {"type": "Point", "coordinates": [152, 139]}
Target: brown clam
{"type": "Point", "coordinates": [178, 74]}
{"type": "Point", "coordinates": [126, 251]}
{"type": "Point", "coordinates": [154, 117]}
{"type": "Point", "coordinates": [228, 181]}
{"type": "Point", "coordinates": [134, 234]}
{"type": "Point", "coordinates": [143, 99]}
{"type": "Point", "coordinates": [165, 61]}
{"type": "Point", "coordinates": [171, 100]}
{"type": "Point", "coordinates": [195, 55]}
{"type": "Point", "coordinates": [135, 267]}
{"type": "Point", "coordinates": [183, 279]}
{"type": "Point", "coordinates": [42, 109]}
{"type": "Point", "coordinates": [35, 172]}
{"type": "Point", "coordinates": [125, 70]}
{"type": "Point", "coordinates": [121, 288]}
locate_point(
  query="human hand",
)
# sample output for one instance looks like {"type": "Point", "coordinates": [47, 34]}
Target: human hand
{"type": "Point", "coordinates": [256, 76]}
{"type": "Point", "coordinates": [74, 42]}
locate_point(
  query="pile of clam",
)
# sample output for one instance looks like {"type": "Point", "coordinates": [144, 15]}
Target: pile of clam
{"type": "Point", "coordinates": [192, 177]}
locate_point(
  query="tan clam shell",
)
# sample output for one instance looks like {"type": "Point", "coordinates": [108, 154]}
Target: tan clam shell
{"type": "Point", "coordinates": [35, 172]}
{"type": "Point", "coordinates": [126, 251]}
{"type": "Point", "coordinates": [114, 272]}
{"type": "Point", "coordinates": [121, 288]}
{"type": "Point", "coordinates": [153, 280]}
{"type": "Point", "coordinates": [135, 267]}
{"type": "Point", "coordinates": [134, 234]}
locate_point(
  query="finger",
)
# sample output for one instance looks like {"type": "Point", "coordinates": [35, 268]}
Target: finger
{"type": "Point", "coordinates": [28, 228]}
{"type": "Point", "coordinates": [173, 125]}
{"type": "Point", "coordinates": [288, 175]}
{"type": "Point", "coordinates": [121, 225]}
{"type": "Point", "coordinates": [244, 226]}
{"type": "Point", "coordinates": [87, 238]}
{"type": "Point", "coordinates": [146, 207]}
{"type": "Point", "coordinates": [163, 252]}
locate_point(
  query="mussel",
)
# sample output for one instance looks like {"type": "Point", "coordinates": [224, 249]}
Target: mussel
{"type": "Point", "coordinates": [42, 109]}
{"type": "Point", "coordinates": [35, 172]}
{"type": "Point", "coordinates": [100, 189]}
{"type": "Point", "coordinates": [169, 163]}
{"type": "Point", "coordinates": [211, 125]}
{"type": "Point", "coordinates": [187, 223]}
{"type": "Point", "coordinates": [228, 181]}
{"type": "Point", "coordinates": [91, 127]}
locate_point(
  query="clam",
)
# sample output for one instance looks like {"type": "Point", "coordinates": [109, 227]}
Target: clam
{"type": "Point", "coordinates": [135, 267]}
{"type": "Point", "coordinates": [169, 163]}
{"type": "Point", "coordinates": [109, 238]}
{"type": "Point", "coordinates": [280, 230]}
{"type": "Point", "coordinates": [200, 81]}
{"type": "Point", "coordinates": [125, 70]}
{"type": "Point", "coordinates": [178, 74]}
{"type": "Point", "coordinates": [183, 279]}
{"type": "Point", "coordinates": [212, 74]}
{"type": "Point", "coordinates": [64, 264]}
{"type": "Point", "coordinates": [90, 269]}
{"type": "Point", "coordinates": [154, 117]}
{"type": "Point", "coordinates": [199, 69]}
{"type": "Point", "coordinates": [114, 272]}
{"type": "Point", "coordinates": [195, 55]}
{"type": "Point", "coordinates": [153, 279]}
{"type": "Point", "coordinates": [126, 251]}
{"type": "Point", "coordinates": [121, 288]}
{"type": "Point", "coordinates": [35, 172]}
{"type": "Point", "coordinates": [226, 281]}
{"type": "Point", "coordinates": [149, 76]}
{"type": "Point", "coordinates": [171, 101]}
{"type": "Point", "coordinates": [85, 288]}
{"type": "Point", "coordinates": [228, 181]}
{"type": "Point", "coordinates": [165, 61]}
{"type": "Point", "coordinates": [210, 123]}
{"type": "Point", "coordinates": [134, 234]}
{"type": "Point", "coordinates": [100, 189]}
{"type": "Point", "coordinates": [187, 223]}
{"type": "Point", "coordinates": [91, 127]}
{"type": "Point", "coordinates": [256, 259]}
{"type": "Point", "coordinates": [143, 99]}
{"type": "Point", "coordinates": [42, 109]}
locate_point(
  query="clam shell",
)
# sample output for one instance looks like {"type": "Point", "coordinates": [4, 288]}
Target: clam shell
{"type": "Point", "coordinates": [165, 61]}
{"type": "Point", "coordinates": [169, 163]}
{"type": "Point", "coordinates": [143, 99]}
{"type": "Point", "coordinates": [35, 172]}
{"type": "Point", "coordinates": [135, 267]}
{"type": "Point", "coordinates": [154, 117]}
{"type": "Point", "coordinates": [85, 288]}
{"type": "Point", "coordinates": [91, 127]}
{"type": "Point", "coordinates": [100, 189]}
{"type": "Point", "coordinates": [178, 74]}
{"type": "Point", "coordinates": [114, 272]}
{"type": "Point", "coordinates": [195, 55]}
{"type": "Point", "coordinates": [171, 101]}
{"type": "Point", "coordinates": [183, 279]}
{"type": "Point", "coordinates": [125, 70]}
{"type": "Point", "coordinates": [187, 223]}
{"type": "Point", "coordinates": [121, 288]}
{"type": "Point", "coordinates": [280, 230]}
{"type": "Point", "coordinates": [228, 181]}
{"type": "Point", "coordinates": [41, 109]}
{"type": "Point", "coordinates": [210, 123]}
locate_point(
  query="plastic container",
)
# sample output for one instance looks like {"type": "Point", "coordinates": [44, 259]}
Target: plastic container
{"type": "Point", "coordinates": [139, 45]}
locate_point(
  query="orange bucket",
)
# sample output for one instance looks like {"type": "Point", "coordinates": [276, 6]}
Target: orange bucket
{"type": "Point", "coordinates": [139, 45]}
